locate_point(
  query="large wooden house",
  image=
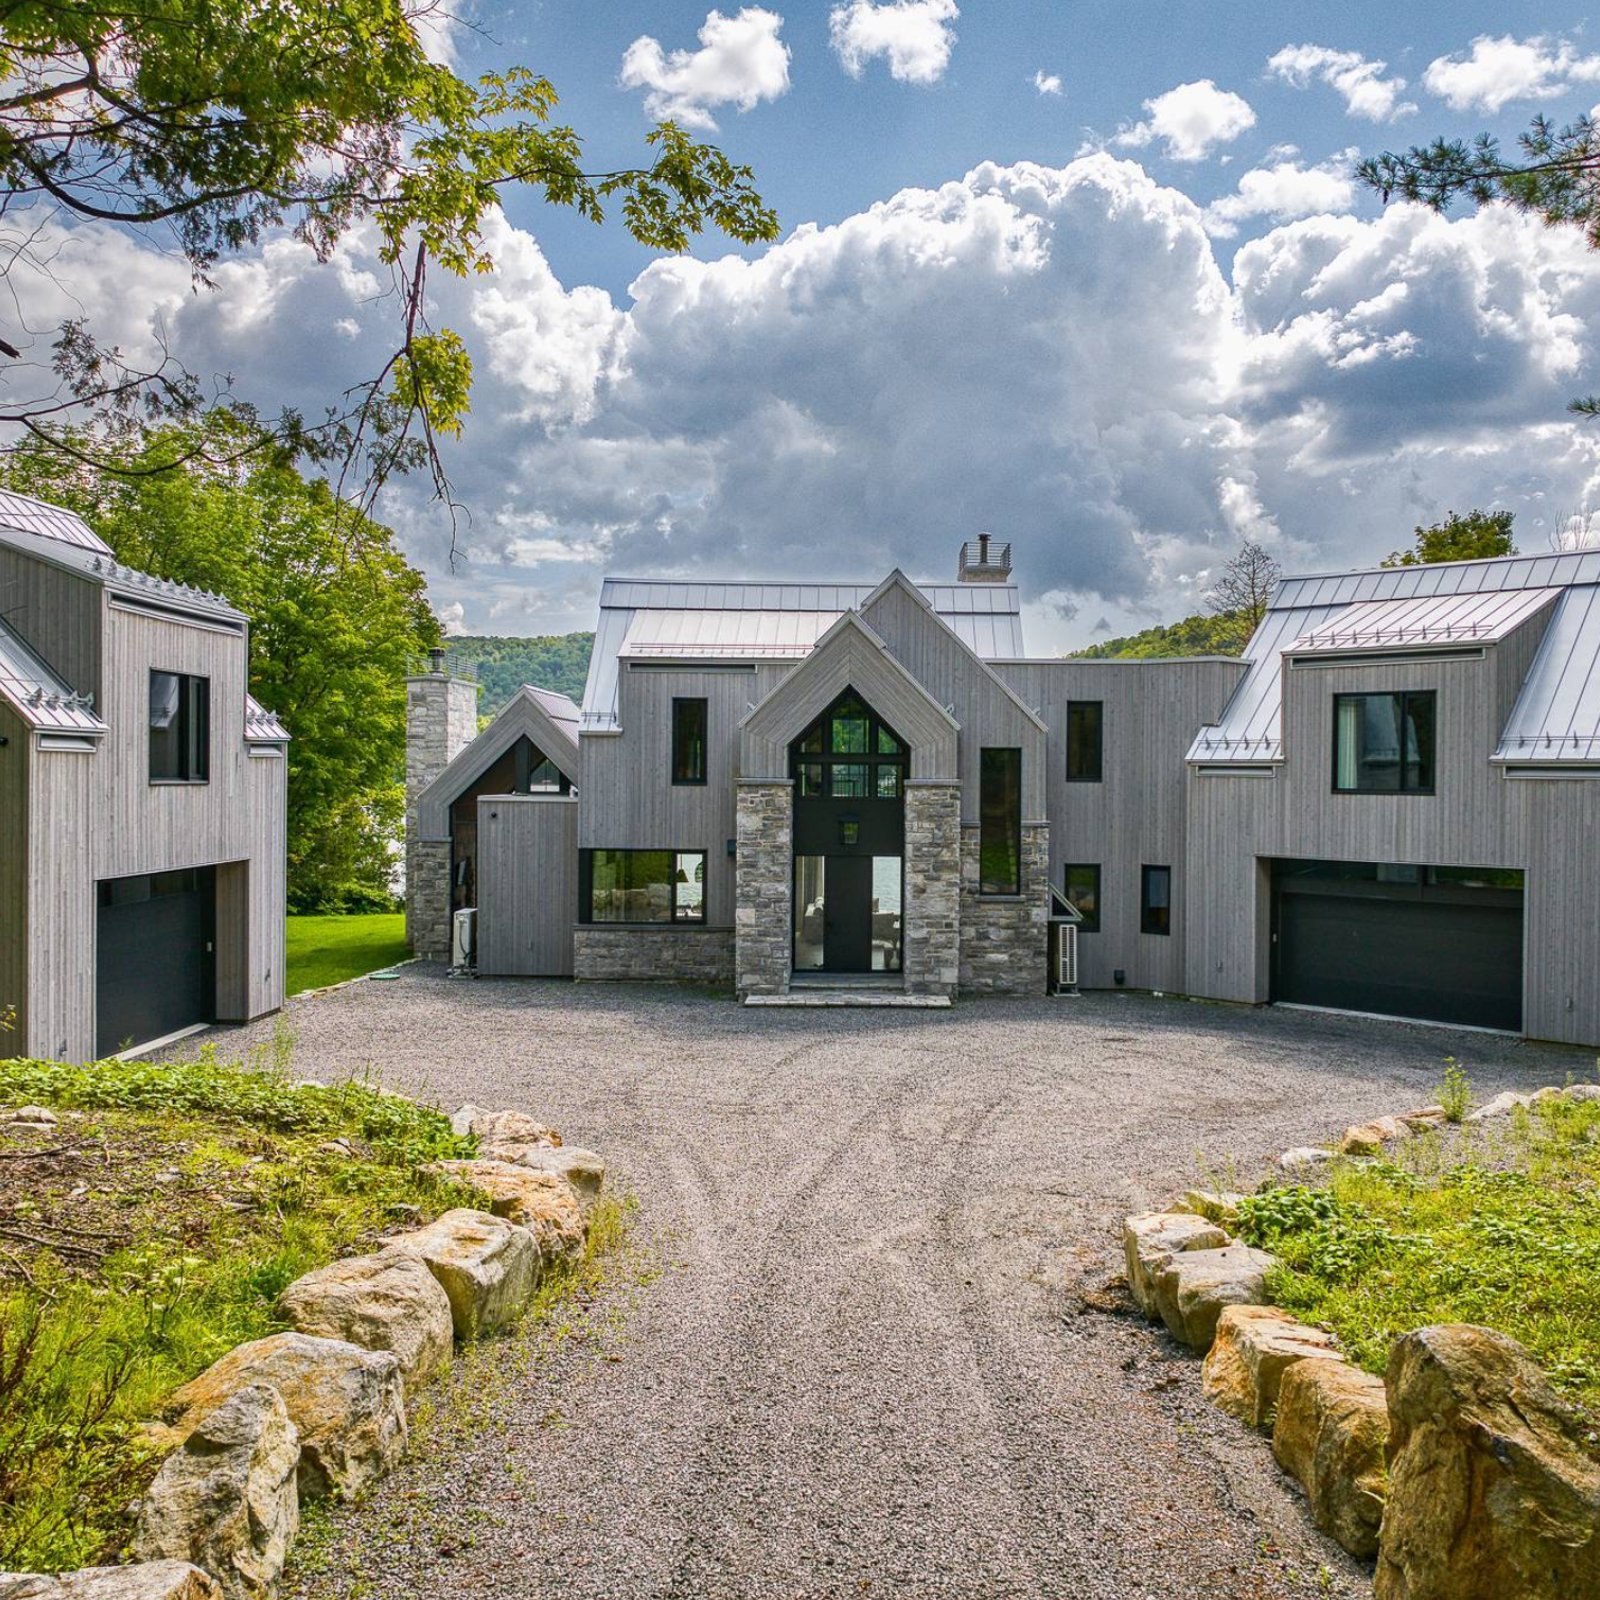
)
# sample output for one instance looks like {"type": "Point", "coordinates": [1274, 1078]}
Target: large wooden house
{"type": "Point", "coordinates": [142, 797]}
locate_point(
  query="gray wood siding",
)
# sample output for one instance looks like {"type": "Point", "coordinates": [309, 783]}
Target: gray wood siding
{"type": "Point", "coordinates": [628, 798]}
{"type": "Point", "coordinates": [1135, 815]}
{"type": "Point", "coordinates": [1476, 817]}
{"type": "Point", "coordinates": [528, 860]}
{"type": "Point", "coordinates": [985, 705]}
{"type": "Point", "coordinates": [61, 903]}
{"type": "Point", "coordinates": [15, 754]}
{"type": "Point", "coordinates": [58, 613]}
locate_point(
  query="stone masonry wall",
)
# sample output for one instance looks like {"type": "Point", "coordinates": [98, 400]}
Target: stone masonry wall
{"type": "Point", "coordinates": [642, 955]}
{"type": "Point", "coordinates": [1005, 942]}
{"type": "Point", "coordinates": [441, 721]}
{"type": "Point", "coordinates": [764, 886]}
{"type": "Point", "coordinates": [931, 923]}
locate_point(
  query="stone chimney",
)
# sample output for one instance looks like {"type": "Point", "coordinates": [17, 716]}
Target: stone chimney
{"type": "Point", "coordinates": [984, 561]}
{"type": "Point", "coordinates": [441, 721]}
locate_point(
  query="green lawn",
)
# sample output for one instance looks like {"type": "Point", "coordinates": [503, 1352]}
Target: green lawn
{"type": "Point", "coordinates": [1496, 1223]}
{"type": "Point", "coordinates": [324, 950]}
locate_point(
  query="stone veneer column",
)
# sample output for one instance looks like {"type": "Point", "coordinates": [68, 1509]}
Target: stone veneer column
{"type": "Point", "coordinates": [763, 887]}
{"type": "Point", "coordinates": [931, 919]}
{"type": "Point", "coordinates": [1005, 941]}
{"type": "Point", "coordinates": [441, 721]}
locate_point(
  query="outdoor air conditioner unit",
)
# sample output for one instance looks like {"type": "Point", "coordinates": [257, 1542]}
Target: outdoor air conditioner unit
{"type": "Point", "coordinates": [1067, 956]}
{"type": "Point", "coordinates": [464, 937]}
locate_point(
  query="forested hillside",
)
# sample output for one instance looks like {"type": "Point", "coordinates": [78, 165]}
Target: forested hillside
{"type": "Point", "coordinates": [1222, 635]}
{"type": "Point", "coordinates": [557, 661]}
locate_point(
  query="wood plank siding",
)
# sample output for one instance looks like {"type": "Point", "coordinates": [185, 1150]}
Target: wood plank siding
{"type": "Point", "coordinates": [15, 755]}
{"type": "Point", "coordinates": [527, 865]}
{"type": "Point", "coordinates": [1133, 817]}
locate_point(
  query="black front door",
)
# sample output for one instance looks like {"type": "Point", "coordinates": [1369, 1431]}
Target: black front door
{"type": "Point", "coordinates": [847, 915]}
{"type": "Point", "coordinates": [154, 962]}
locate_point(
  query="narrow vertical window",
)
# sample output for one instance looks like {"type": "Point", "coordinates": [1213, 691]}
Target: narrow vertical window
{"type": "Point", "coordinates": [1085, 752]}
{"type": "Point", "coordinates": [688, 741]}
{"type": "Point", "coordinates": [1155, 900]}
{"type": "Point", "coordinates": [1000, 822]}
{"type": "Point", "coordinates": [1083, 891]}
{"type": "Point", "coordinates": [179, 728]}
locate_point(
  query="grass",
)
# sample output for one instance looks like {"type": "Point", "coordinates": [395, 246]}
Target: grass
{"type": "Point", "coordinates": [1495, 1223]}
{"type": "Point", "coordinates": [149, 1231]}
{"type": "Point", "coordinates": [324, 950]}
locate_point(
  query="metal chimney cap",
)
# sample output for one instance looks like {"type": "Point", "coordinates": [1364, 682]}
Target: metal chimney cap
{"type": "Point", "coordinates": [436, 658]}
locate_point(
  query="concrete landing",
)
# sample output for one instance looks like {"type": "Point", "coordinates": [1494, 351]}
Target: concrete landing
{"type": "Point", "coordinates": [870, 998]}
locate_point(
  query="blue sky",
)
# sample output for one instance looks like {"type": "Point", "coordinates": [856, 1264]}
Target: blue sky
{"type": "Point", "coordinates": [1093, 277]}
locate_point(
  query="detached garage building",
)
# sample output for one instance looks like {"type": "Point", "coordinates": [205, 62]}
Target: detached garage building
{"type": "Point", "coordinates": [142, 796]}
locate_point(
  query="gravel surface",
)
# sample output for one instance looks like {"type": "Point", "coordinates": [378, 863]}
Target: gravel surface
{"type": "Point", "coordinates": [865, 1365]}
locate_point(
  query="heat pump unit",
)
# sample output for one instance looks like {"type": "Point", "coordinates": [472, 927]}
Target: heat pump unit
{"type": "Point", "coordinates": [1067, 956]}
{"type": "Point", "coordinates": [464, 937]}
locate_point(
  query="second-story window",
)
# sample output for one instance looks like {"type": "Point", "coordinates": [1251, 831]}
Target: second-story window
{"type": "Point", "coordinates": [180, 728]}
{"type": "Point", "coordinates": [689, 741]}
{"type": "Point", "coordinates": [1383, 743]}
{"type": "Point", "coordinates": [1085, 722]}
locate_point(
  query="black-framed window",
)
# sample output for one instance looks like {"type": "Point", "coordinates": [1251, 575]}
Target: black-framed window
{"type": "Point", "coordinates": [848, 753]}
{"type": "Point", "coordinates": [1000, 821]}
{"type": "Point", "coordinates": [642, 886]}
{"type": "Point", "coordinates": [180, 728]}
{"type": "Point", "coordinates": [1155, 899]}
{"type": "Point", "coordinates": [1384, 743]}
{"type": "Point", "coordinates": [689, 724]}
{"type": "Point", "coordinates": [1082, 888]}
{"type": "Point", "coordinates": [1085, 741]}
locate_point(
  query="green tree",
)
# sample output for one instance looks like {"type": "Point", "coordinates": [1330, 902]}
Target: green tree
{"type": "Point", "coordinates": [1200, 635]}
{"type": "Point", "coordinates": [558, 661]}
{"type": "Point", "coordinates": [1473, 537]}
{"type": "Point", "coordinates": [336, 617]}
{"type": "Point", "coordinates": [210, 123]}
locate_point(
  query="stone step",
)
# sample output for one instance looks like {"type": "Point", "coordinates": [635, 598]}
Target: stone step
{"type": "Point", "coordinates": [853, 997]}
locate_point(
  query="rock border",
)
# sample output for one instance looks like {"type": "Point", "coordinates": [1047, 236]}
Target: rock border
{"type": "Point", "coordinates": [320, 1411]}
{"type": "Point", "coordinates": [1462, 1429]}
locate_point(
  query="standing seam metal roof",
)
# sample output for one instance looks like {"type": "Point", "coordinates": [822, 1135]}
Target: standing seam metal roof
{"type": "Point", "coordinates": [43, 699]}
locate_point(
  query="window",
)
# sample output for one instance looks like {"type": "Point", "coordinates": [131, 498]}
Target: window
{"type": "Point", "coordinates": [1083, 890]}
{"type": "Point", "coordinates": [1085, 743]}
{"type": "Point", "coordinates": [1383, 743]}
{"type": "Point", "coordinates": [655, 886]}
{"type": "Point", "coordinates": [1000, 822]}
{"type": "Point", "coordinates": [1155, 900]}
{"type": "Point", "coordinates": [180, 728]}
{"type": "Point", "coordinates": [848, 754]}
{"type": "Point", "coordinates": [688, 741]}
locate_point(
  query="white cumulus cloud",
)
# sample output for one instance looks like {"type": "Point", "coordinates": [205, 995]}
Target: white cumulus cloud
{"type": "Point", "coordinates": [1495, 72]}
{"type": "Point", "coordinates": [1360, 82]}
{"type": "Point", "coordinates": [741, 61]}
{"type": "Point", "coordinates": [1047, 82]}
{"type": "Point", "coordinates": [1283, 191]}
{"type": "Point", "coordinates": [915, 37]}
{"type": "Point", "coordinates": [1190, 120]}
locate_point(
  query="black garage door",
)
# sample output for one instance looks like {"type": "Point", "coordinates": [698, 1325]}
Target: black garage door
{"type": "Point", "coordinates": [1440, 943]}
{"type": "Point", "coordinates": [154, 964]}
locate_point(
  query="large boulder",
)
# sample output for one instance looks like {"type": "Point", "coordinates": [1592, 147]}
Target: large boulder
{"type": "Point", "coordinates": [1253, 1348]}
{"type": "Point", "coordinates": [1194, 1286]}
{"type": "Point", "coordinates": [382, 1302]}
{"type": "Point", "coordinates": [227, 1498]}
{"type": "Point", "coordinates": [1150, 1240]}
{"type": "Point", "coordinates": [1369, 1138]}
{"type": "Point", "coordinates": [1329, 1435]}
{"type": "Point", "coordinates": [542, 1202]}
{"type": "Point", "coordinates": [583, 1169]}
{"type": "Point", "coordinates": [347, 1404]}
{"type": "Point", "coordinates": [1304, 1159]}
{"type": "Point", "coordinates": [1494, 1489]}
{"type": "Point", "coordinates": [503, 1135]}
{"type": "Point", "coordinates": [487, 1266]}
{"type": "Point", "coordinates": [1501, 1106]}
{"type": "Point", "coordinates": [148, 1580]}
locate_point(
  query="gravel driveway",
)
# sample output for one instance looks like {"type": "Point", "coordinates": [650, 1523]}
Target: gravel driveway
{"type": "Point", "coordinates": [865, 1367]}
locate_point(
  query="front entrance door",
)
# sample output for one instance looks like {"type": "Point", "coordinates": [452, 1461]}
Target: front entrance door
{"type": "Point", "coordinates": [847, 916]}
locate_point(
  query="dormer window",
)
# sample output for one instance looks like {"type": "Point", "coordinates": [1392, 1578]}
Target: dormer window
{"type": "Point", "coordinates": [1384, 743]}
{"type": "Point", "coordinates": [180, 728]}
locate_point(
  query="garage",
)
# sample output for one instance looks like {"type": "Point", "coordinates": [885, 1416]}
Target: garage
{"type": "Point", "coordinates": [1442, 944]}
{"type": "Point", "coordinates": [155, 968]}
